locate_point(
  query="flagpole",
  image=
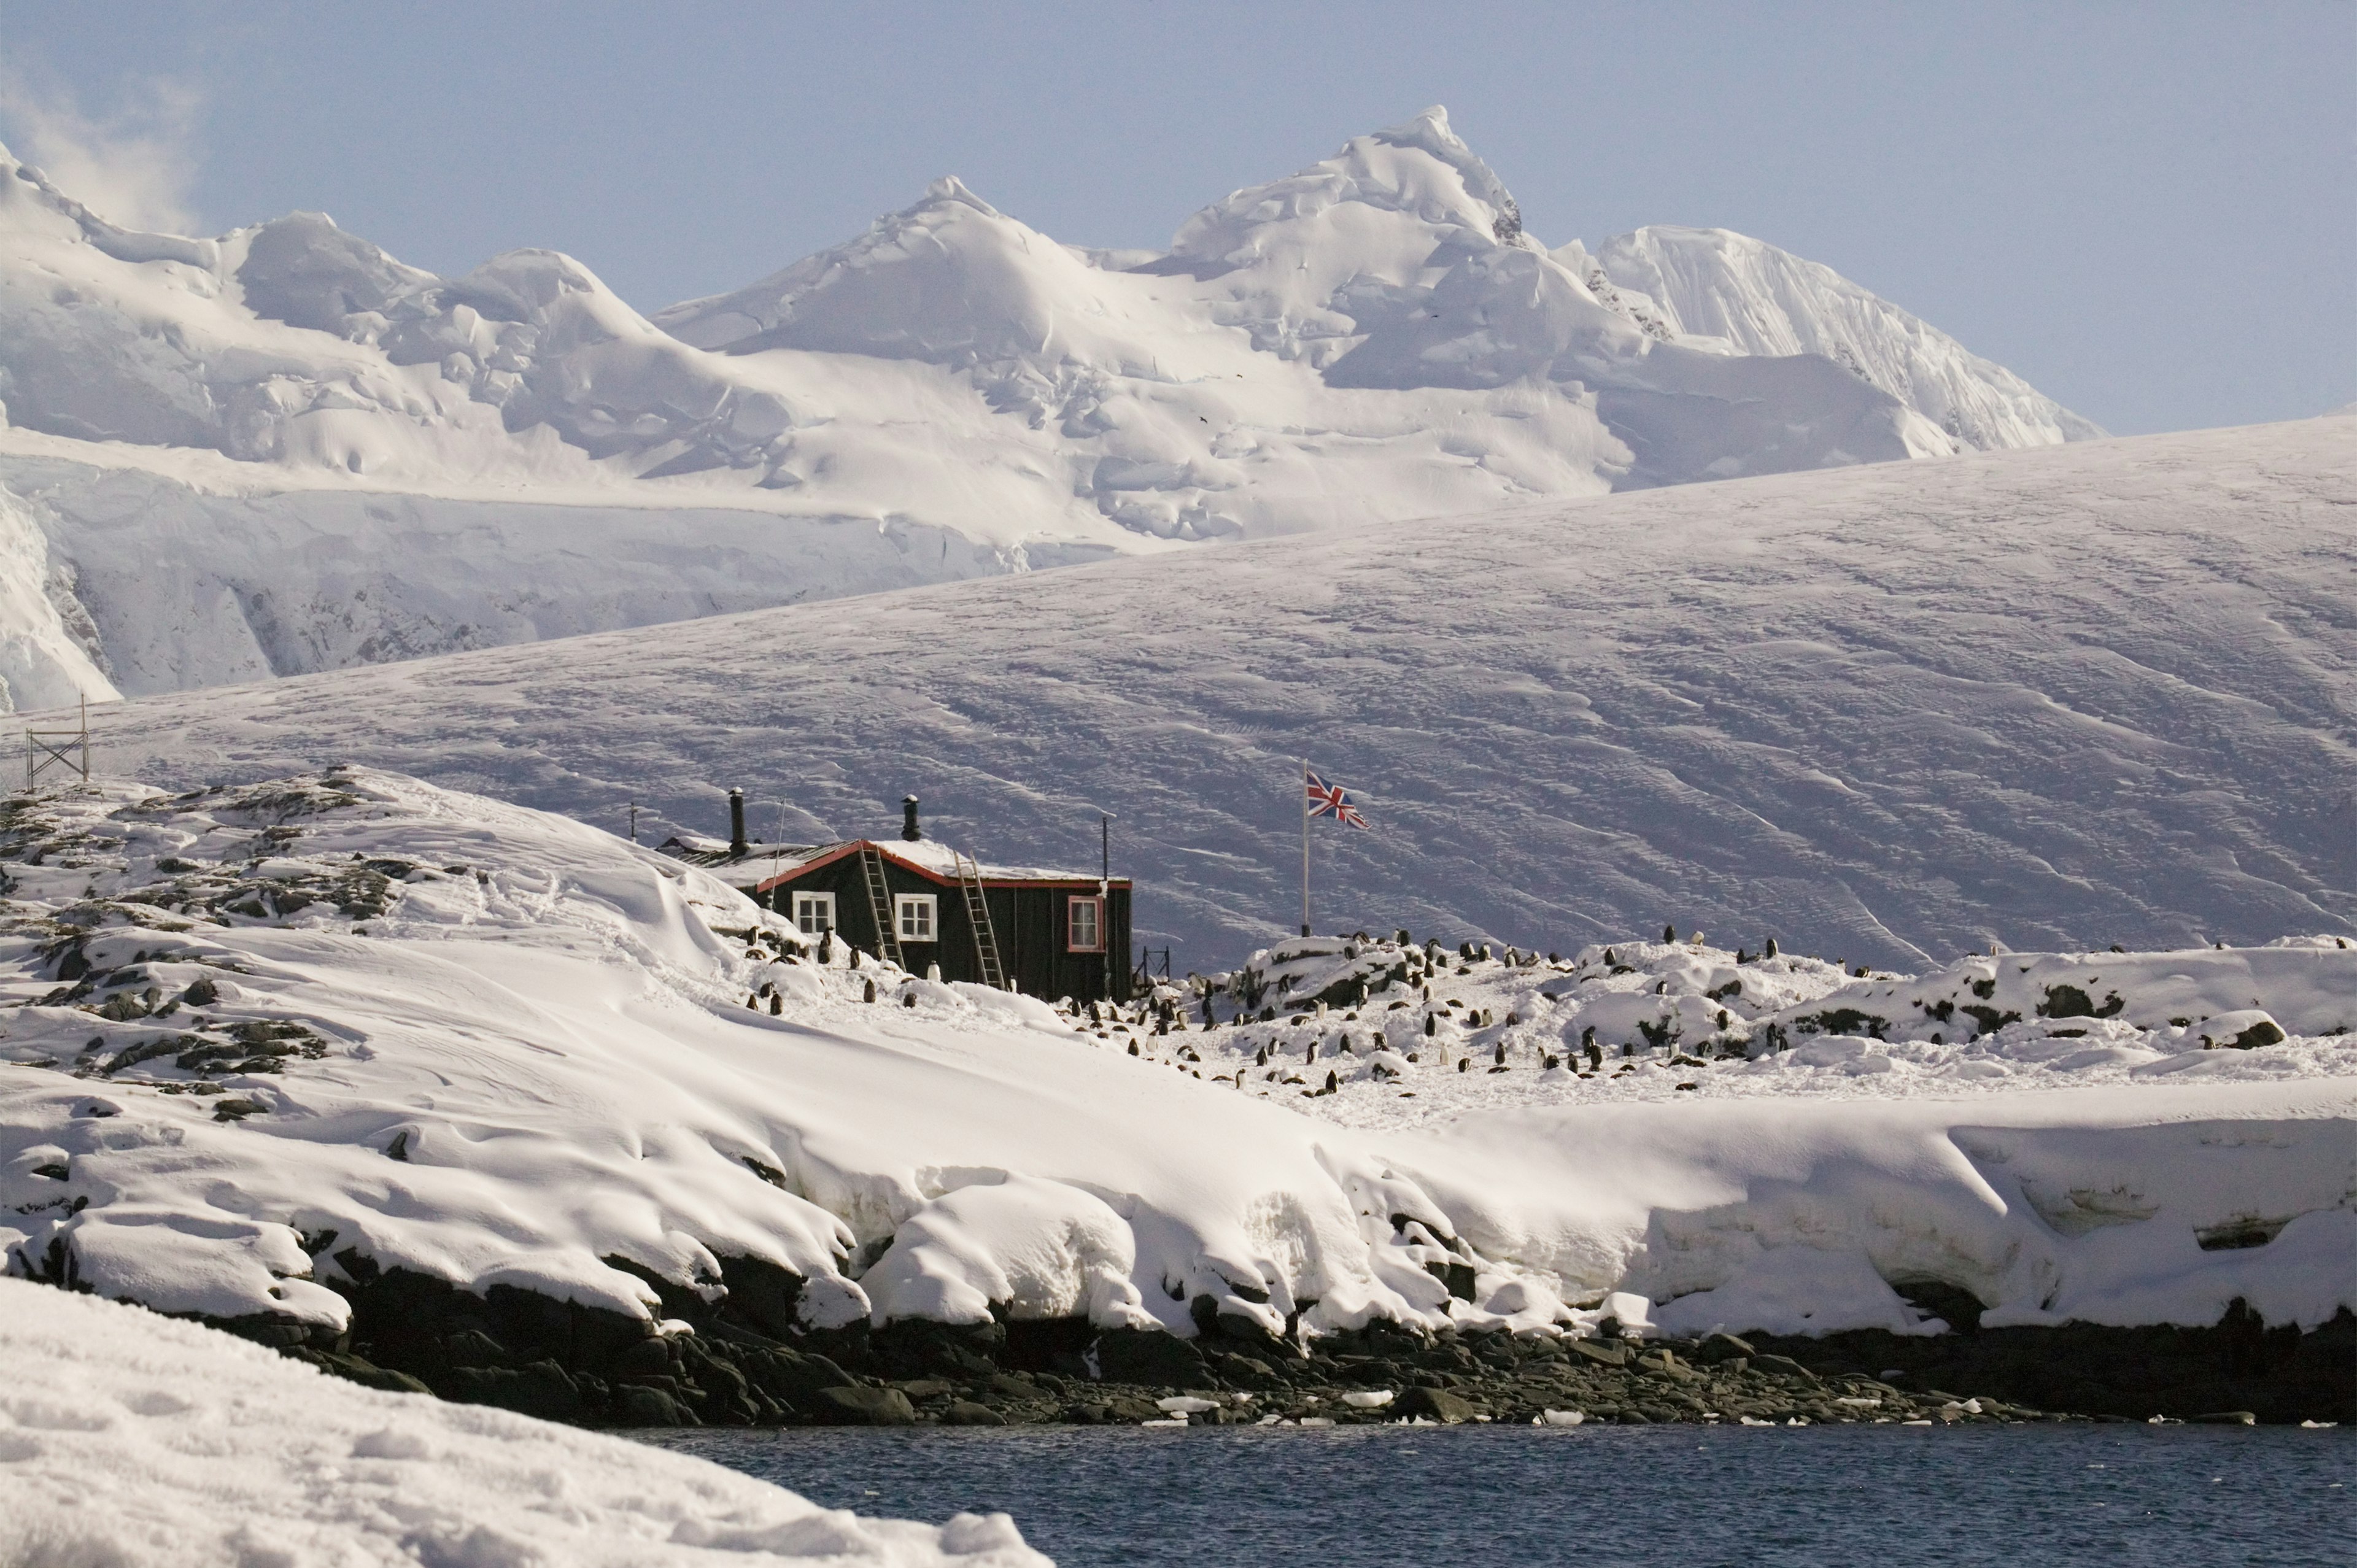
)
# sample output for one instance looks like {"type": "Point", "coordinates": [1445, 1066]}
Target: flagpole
{"type": "Point", "coordinates": [1305, 846]}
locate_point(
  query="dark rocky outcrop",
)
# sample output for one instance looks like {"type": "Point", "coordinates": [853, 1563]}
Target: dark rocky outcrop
{"type": "Point", "coordinates": [749, 1363]}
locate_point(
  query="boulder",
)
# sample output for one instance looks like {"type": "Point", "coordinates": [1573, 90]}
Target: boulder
{"type": "Point", "coordinates": [541, 1390]}
{"type": "Point", "coordinates": [966, 1412]}
{"type": "Point", "coordinates": [1147, 1356]}
{"type": "Point", "coordinates": [1717, 1347]}
{"type": "Point", "coordinates": [2247, 1030]}
{"type": "Point", "coordinates": [635, 1405]}
{"type": "Point", "coordinates": [1787, 1365]}
{"type": "Point", "coordinates": [1433, 1404]}
{"type": "Point", "coordinates": [864, 1407]}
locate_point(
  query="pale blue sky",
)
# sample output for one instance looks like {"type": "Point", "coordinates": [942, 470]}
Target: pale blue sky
{"type": "Point", "coordinates": [2146, 210]}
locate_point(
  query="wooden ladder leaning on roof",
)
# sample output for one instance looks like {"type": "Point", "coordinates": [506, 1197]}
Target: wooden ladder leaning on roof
{"type": "Point", "coordinates": [879, 904]}
{"type": "Point", "coordinates": [977, 918]}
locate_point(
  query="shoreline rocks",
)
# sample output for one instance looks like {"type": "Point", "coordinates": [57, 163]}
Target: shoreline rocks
{"type": "Point", "coordinates": [744, 1364]}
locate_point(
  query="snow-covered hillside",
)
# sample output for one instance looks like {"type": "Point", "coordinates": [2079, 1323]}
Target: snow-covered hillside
{"type": "Point", "coordinates": [284, 450]}
{"type": "Point", "coordinates": [265, 1042]}
{"type": "Point", "coordinates": [2057, 699]}
{"type": "Point", "coordinates": [136, 1442]}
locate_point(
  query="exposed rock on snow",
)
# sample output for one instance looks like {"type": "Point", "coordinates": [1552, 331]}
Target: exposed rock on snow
{"type": "Point", "coordinates": [274, 1042]}
{"type": "Point", "coordinates": [291, 431]}
{"type": "Point", "coordinates": [130, 1439]}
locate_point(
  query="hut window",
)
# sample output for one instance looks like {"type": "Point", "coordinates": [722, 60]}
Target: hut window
{"type": "Point", "coordinates": [813, 913]}
{"type": "Point", "coordinates": [917, 911]}
{"type": "Point", "coordinates": [1086, 925]}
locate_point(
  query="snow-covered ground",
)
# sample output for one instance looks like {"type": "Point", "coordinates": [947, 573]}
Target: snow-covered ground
{"type": "Point", "coordinates": [136, 1442]}
{"type": "Point", "coordinates": [259, 1031]}
{"type": "Point", "coordinates": [2057, 699]}
{"type": "Point", "coordinates": [283, 450]}
{"type": "Point", "coordinates": [1667, 1018]}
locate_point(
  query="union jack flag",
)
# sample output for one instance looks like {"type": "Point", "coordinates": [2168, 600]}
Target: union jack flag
{"type": "Point", "coordinates": [1330, 800]}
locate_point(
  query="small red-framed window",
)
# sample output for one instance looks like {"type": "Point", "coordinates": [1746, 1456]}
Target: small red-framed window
{"type": "Point", "coordinates": [1084, 925]}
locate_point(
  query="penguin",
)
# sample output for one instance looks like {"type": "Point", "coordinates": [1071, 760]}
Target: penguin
{"type": "Point", "coordinates": [826, 947]}
{"type": "Point", "coordinates": [1770, 951]}
{"type": "Point", "coordinates": [871, 992]}
{"type": "Point", "coordinates": [1431, 1022]}
{"type": "Point", "coordinates": [1332, 1083]}
{"type": "Point", "coordinates": [1669, 933]}
{"type": "Point", "coordinates": [753, 1002]}
{"type": "Point", "coordinates": [1133, 1048]}
{"type": "Point", "coordinates": [1502, 1053]}
{"type": "Point", "coordinates": [777, 1003]}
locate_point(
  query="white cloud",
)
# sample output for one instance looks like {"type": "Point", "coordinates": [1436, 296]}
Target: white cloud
{"type": "Point", "coordinates": [133, 166]}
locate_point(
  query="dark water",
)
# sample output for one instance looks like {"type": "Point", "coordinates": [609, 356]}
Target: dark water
{"type": "Point", "coordinates": [1694, 1498]}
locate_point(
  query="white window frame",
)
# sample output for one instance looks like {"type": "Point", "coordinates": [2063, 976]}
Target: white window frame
{"type": "Point", "coordinates": [820, 904]}
{"type": "Point", "coordinates": [927, 909]}
{"type": "Point", "coordinates": [1094, 903]}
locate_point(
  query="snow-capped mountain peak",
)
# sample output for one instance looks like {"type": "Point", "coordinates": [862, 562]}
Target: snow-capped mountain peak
{"type": "Point", "coordinates": [1419, 169]}
{"type": "Point", "coordinates": [1372, 337]}
{"type": "Point", "coordinates": [950, 280]}
{"type": "Point", "coordinates": [1730, 293]}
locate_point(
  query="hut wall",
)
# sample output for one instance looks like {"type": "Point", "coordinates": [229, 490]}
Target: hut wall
{"type": "Point", "coordinates": [1029, 921]}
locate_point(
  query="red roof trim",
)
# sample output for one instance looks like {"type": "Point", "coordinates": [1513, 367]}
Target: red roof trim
{"type": "Point", "coordinates": [855, 846]}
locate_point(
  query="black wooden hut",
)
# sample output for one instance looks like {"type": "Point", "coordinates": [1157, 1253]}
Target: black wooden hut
{"type": "Point", "coordinates": [920, 902]}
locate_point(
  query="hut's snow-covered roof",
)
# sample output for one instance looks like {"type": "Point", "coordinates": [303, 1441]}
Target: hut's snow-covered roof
{"type": "Point", "coordinates": [767, 862]}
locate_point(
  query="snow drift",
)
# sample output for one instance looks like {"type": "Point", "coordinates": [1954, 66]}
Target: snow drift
{"type": "Point", "coordinates": [283, 449]}
{"type": "Point", "coordinates": [132, 1440]}
{"type": "Point", "coordinates": [261, 1034]}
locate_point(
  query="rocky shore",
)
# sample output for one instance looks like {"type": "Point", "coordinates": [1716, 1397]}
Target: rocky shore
{"type": "Point", "coordinates": [745, 1364]}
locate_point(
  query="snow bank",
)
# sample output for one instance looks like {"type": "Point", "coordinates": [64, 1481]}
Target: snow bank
{"type": "Point", "coordinates": [260, 1035]}
{"type": "Point", "coordinates": [130, 1439]}
{"type": "Point", "coordinates": [500, 1048]}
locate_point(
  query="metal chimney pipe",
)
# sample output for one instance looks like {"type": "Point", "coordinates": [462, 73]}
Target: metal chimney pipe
{"type": "Point", "coordinates": [909, 819]}
{"type": "Point", "coordinates": [736, 844]}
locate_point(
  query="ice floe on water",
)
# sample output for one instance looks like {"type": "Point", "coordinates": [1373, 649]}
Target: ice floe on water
{"type": "Point", "coordinates": [131, 1440]}
{"type": "Point", "coordinates": [262, 1041]}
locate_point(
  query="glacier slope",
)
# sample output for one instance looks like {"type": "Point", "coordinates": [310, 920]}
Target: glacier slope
{"type": "Point", "coordinates": [2056, 698]}
{"type": "Point", "coordinates": [211, 431]}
